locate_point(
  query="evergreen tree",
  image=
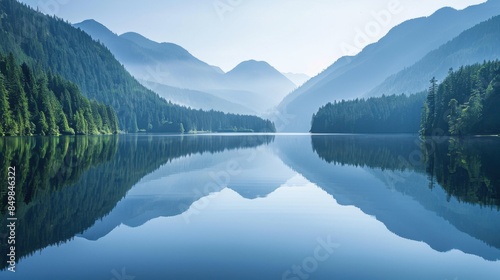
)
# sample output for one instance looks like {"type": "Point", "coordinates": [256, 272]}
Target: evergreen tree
{"type": "Point", "coordinates": [6, 118]}
{"type": "Point", "coordinates": [42, 127]}
{"type": "Point", "coordinates": [430, 107]}
{"type": "Point", "coordinates": [17, 97]}
{"type": "Point", "coordinates": [466, 102]}
{"type": "Point", "coordinates": [181, 128]}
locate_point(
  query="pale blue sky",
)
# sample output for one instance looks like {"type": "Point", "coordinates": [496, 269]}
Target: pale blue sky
{"type": "Point", "coordinates": [302, 36]}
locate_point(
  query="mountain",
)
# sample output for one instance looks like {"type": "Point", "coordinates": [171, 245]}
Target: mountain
{"type": "Point", "coordinates": [261, 78]}
{"type": "Point", "coordinates": [297, 78]}
{"type": "Point", "coordinates": [175, 65]}
{"type": "Point", "coordinates": [171, 65]}
{"type": "Point", "coordinates": [474, 45]}
{"type": "Point", "coordinates": [403, 46]}
{"type": "Point", "coordinates": [53, 45]}
{"type": "Point", "coordinates": [164, 63]}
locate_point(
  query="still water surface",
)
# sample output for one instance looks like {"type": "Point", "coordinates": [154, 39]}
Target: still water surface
{"type": "Point", "coordinates": [254, 207]}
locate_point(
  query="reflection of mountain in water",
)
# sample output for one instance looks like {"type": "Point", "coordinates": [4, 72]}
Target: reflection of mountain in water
{"type": "Point", "coordinates": [401, 199]}
{"type": "Point", "coordinates": [65, 184]}
{"type": "Point", "coordinates": [173, 188]}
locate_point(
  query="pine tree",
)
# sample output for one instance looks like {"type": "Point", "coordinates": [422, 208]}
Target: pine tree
{"type": "Point", "coordinates": [113, 120]}
{"type": "Point", "coordinates": [431, 106]}
{"type": "Point", "coordinates": [6, 118]}
{"type": "Point", "coordinates": [43, 127]}
{"type": "Point", "coordinates": [17, 97]}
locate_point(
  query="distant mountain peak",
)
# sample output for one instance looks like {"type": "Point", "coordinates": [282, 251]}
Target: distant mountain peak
{"type": "Point", "coordinates": [253, 67]}
{"type": "Point", "coordinates": [96, 26]}
{"type": "Point", "coordinates": [256, 62]}
{"type": "Point", "coordinates": [92, 21]}
{"type": "Point", "coordinates": [444, 10]}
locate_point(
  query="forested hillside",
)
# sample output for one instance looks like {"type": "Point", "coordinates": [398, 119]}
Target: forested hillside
{"type": "Point", "coordinates": [36, 103]}
{"type": "Point", "coordinates": [387, 114]}
{"type": "Point", "coordinates": [467, 102]}
{"type": "Point", "coordinates": [53, 45]}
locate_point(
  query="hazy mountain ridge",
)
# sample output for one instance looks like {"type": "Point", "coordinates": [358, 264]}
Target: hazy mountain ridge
{"type": "Point", "coordinates": [404, 45]}
{"type": "Point", "coordinates": [474, 45]}
{"type": "Point", "coordinates": [164, 63]}
{"type": "Point", "coordinates": [171, 65]}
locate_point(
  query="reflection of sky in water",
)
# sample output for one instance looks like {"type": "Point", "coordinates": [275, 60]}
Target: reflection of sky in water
{"type": "Point", "coordinates": [238, 238]}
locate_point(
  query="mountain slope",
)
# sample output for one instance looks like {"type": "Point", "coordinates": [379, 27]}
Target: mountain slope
{"type": "Point", "coordinates": [171, 65]}
{"type": "Point", "coordinates": [474, 45]}
{"type": "Point", "coordinates": [404, 45]}
{"type": "Point", "coordinates": [164, 63]}
{"type": "Point", "coordinates": [55, 46]}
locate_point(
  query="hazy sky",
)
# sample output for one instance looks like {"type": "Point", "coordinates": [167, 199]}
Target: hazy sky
{"type": "Point", "coordinates": [302, 36]}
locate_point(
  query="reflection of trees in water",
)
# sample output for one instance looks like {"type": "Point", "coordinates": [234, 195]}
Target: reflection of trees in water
{"type": "Point", "coordinates": [375, 151]}
{"type": "Point", "coordinates": [465, 168]}
{"type": "Point", "coordinates": [45, 165]}
{"type": "Point", "coordinates": [65, 184]}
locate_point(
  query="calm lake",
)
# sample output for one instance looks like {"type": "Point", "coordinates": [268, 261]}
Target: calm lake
{"type": "Point", "coordinates": [253, 207]}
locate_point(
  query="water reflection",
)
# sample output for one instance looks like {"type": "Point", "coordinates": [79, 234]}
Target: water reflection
{"type": "Point", "coordinates": [440, 175]}
{"type": "Point", "coordinates": [65, 184]}
{"type": "Point", "coordinates": [394, 152]}
{"type": "Point", "coordinates": [467, 168]}
{"type": "Point", "coordinates": [253, 206]}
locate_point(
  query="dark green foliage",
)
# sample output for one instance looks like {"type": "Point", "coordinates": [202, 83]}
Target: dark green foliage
{"type": "Point", "coordinates": [465, 103]}
{"type": "Point", "coordinates": [55, 46]}
{"type": "Point", "coordinates": [429, 111]}
{"type": "Point", "coordinates": [18, 102]}
{"type": "Point", "coordinates": [6, 122]}
{"type": "Point", "coordinates": [386, 114]}
{"type": "Point", "coordinates": [44, 105]}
